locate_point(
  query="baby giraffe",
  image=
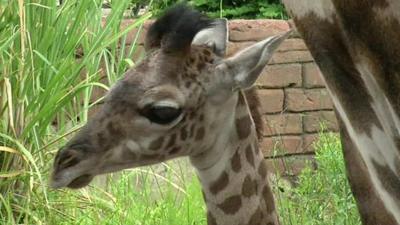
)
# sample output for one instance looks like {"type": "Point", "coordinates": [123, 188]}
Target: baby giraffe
{"type": "Point", "coordinates": [183, 99]}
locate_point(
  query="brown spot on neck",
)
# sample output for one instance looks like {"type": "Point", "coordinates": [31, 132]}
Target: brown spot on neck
{"type": "Point", "coordinates": [236, 164]}
{"type": "Point", "coordinates": [254, 105]}
{"type": "Point", "coordinates": [220, 184]}
{"type": "Point", "coordinates": [211, 219]}
{"type": "Point", "coordinates": [243, 127]}
{"type": "Point", "coordinates": [231, 205]}
{"type": "Point", "coordinates": [249, 187]}
{"type": "Point", "coordinates": [262, 169]}
{"type": "Point", "coordinates": [268, 198]}
{"type": "Point", "coordinates": [256, 218]}
{"type": "Point", "coordinates": [250, 155]}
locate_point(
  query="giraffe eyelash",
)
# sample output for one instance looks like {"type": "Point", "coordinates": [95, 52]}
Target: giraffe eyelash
{"type": "Point", "coordinates": [161, 114]}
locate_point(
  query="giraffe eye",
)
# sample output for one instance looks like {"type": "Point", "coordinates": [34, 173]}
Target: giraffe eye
{"type": "Point", "coordinates": [161, 114]}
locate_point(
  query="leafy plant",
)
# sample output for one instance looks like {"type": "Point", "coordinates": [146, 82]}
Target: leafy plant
{"type": "Point", "coordinates": [231, 9]}
{"type": "Point", "coordinates": [46, 91]}
{"type": "Point", "coordinates": [323, 196]}
{"type": "Point", "coordinates": [242, 9]}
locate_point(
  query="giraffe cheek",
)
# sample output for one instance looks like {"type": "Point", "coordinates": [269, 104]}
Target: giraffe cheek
{"type": "Point", "coordinates": [156, 144]}
{"type": "Point", "coordinates": [175, 151]}
{"type": "Point", "coordinates": [133, 147]}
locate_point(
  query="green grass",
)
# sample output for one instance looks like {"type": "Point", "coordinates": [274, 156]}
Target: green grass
{"type": "Point", "coordinates": [130, 197]}
{"type": "Point", "coordinates": [144, 197]}
{"type": "Point", "coordinates": [323, 196]}
{"type": "Point", "coordinates": [46, 92]}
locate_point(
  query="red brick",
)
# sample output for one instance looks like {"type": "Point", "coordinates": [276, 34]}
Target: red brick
{"type": "Point", "coordinates": [283, 124]}
{"type": "Point", "coordinates": [240, 30]}
{"type": "Point", "coordinates": [308, 142]}
{"type": "Point", "coordinates": [137, 54]}
{"type": "Point", "coordinates": [234, 47]}
{"type": "Point", "coordinates": [107, 12]}
{"type": "Point", "coordinates": [291, 57]}
{"type": "Point", "coordinates": [312, 76]}
{"type": "Point", "coordinates": [97, 92]}
{"type": "Point", "coordinates": [312, 121]}
{"type": "Point", "coordinates": [94, 109]}
{"type": "Point", "coordinates": [299, 100]}
{"type": "Point", "coordinates": [295, 33]}
{"type": "Point", "coordinates": [292, 44]}
{"type": "Point", "coordinates": [271, 100]}
{"type": "Point", "coordinates": [278, 76]}
{"type": "Point", "coordinates": [255, 30]}
{"type": "Point", "coordinates": [281, 145]}
{"type": "Point", "coordinates": [131, 35]}
{"type": "Point", "coordinates": [291, 166]}
{"type": "Point", "coordinates": [138, 33]}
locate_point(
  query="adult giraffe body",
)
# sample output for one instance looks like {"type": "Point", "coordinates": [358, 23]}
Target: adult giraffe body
{"type": "Point", "coordinates": [356, 44]}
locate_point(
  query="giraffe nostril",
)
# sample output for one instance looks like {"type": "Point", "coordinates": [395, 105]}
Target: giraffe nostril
{"type": "Point", "coordinates": [67, 158]}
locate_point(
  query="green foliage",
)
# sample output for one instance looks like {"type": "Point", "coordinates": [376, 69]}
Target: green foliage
{"type": "Point", "coordinates": [45, 89]}
{"type": "Point", "coordinates": [242, 9]}
{"type": "Point", "coordinates": [323, 196]}
{"type": "Point", "coordinates": [231, 9]}
{"type": "Point", "coordinates": [137, 197]}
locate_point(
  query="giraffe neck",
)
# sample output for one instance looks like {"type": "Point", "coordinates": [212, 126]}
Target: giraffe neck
{"type": "Point", "coordinates": [234, 184]}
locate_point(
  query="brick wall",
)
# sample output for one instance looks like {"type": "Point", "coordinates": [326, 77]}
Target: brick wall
{"type": "Point", "coordinates": [294, 99]}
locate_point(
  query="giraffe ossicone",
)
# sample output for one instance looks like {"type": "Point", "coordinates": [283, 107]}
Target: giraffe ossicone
{"type": "Point", "coordinates": [183, 99]}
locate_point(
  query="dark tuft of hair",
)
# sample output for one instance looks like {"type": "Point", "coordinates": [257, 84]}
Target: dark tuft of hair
{"type": "Point", "coordinates": [175, 29]}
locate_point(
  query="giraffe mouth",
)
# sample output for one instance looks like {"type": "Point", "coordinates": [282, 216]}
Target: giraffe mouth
{"type": "Point", "coordinates": [80, 181]}
{"type": "Point", "coordinates": [63, 180]}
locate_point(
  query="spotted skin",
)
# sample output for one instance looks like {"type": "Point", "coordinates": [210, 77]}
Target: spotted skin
{"type": "Point", "coordinates": [183, 99]}
{"type": "Point", "coordinates": [356, 44]}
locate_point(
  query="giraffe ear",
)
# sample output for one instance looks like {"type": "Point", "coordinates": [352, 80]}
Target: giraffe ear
{"type": "Point", "coordinates": [242, 69]}
{"type": "Point", "coordinates": [216, 37]}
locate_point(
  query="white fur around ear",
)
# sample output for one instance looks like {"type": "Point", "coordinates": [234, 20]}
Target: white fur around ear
{"type": "Point", "coordinates": [216, 37]}
{"type": "Point", "coordinates": [245, 66]}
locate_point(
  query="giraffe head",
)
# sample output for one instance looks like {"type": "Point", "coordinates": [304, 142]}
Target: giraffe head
{"type": "Point", "coordinates": [177, 102]}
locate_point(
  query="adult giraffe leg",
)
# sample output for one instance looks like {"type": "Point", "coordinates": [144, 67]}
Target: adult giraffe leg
{"type": "Point", "coordinates": [369, 204]}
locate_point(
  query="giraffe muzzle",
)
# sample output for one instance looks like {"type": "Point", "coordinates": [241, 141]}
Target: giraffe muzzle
{"type": "Point", "coordinates": [71, 169]}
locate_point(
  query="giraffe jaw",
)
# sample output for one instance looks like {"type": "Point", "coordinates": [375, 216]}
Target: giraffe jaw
{"type": "Point", "coordinates": [80, 181]}
{"type": "Point", "coordinates": [67, 179]}
{"type": "Point", "coordinates": [75, 178]}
